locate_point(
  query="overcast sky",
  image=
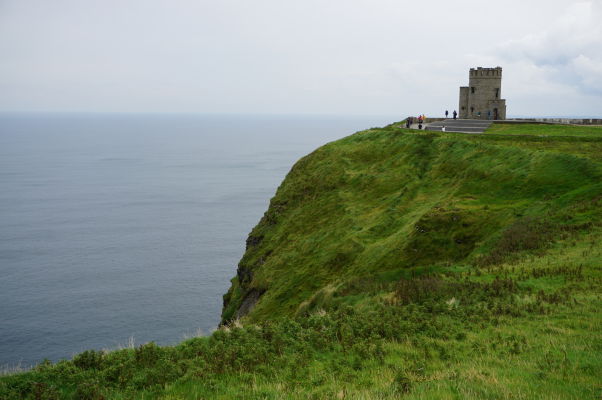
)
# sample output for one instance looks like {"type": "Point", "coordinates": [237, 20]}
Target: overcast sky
{"type": "Point", "coordinates": [303, 56]}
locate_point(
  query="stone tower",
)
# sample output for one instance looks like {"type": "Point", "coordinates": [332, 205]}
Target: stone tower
{"type": "Point", "coordinates": [482, 98]}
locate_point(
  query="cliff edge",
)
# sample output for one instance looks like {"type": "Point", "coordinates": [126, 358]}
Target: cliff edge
{"type": "Point", "coordinates": [384, 203]}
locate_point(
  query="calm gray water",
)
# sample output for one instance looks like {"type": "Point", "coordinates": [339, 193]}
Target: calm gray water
{"type": "Point", "coordinates": [120, 226]}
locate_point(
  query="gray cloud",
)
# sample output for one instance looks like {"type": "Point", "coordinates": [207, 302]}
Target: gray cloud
{"type": "Point", "coordinates": [283, 56]}
{"type": "Point", "coordinates": [569, 51]}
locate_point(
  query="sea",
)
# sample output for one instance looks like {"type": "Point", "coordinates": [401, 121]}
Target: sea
{"type": "Point", "coordinates": [121, 229]}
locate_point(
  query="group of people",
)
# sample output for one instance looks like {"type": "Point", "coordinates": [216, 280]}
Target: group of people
{"type": "Point", "coordinates": [422, 119]}
{"type": "Point", "coordinates": [419, 119]}
{"type": "Point", "coordinates": [455, 114]}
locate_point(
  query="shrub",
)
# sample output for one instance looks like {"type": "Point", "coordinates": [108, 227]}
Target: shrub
{"type": "Point", "coordinates": [43, 391]}
{"type": "Point", "coordinates": [147, 354]}
{"type": "Point", "coordinates": [402, 384]}
{"type": "Point", "coordinates": [88, 391]}
{"type": "Point", "coordinates": [419, 289]}
{"type": "Point", "coordinates": [89, 359]}
{"type": "Point", "coordinates": [524, 234]}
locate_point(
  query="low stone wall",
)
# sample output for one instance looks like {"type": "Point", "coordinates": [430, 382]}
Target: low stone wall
{"type": "Point", "coordinates": [566, 121]}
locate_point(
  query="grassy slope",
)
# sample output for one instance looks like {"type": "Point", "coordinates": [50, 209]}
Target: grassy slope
{"type": "Point", "coordinates": [397, 264]}
{"type": "Point", "coordinates": [546, 130]}
{"type": "Point", "coordinates": [379, 202]}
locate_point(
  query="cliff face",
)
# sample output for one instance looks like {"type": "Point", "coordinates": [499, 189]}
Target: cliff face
{"type": "Point", "coordinates": [381, 203]}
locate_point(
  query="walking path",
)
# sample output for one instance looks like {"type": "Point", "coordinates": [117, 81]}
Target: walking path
{"type": "Point", "coordinates": [459, 125]}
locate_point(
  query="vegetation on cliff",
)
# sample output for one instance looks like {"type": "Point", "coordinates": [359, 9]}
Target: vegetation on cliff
{"type": "Point", "coordinates": [382, 205]}
{"type": "Point", "coordinates": [396, 264]}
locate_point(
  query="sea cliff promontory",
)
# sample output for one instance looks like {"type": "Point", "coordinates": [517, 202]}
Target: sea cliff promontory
{"type": "Point", "coordinates": [382, 204]}
{"type": "Point", "coordinates": [391, 264]}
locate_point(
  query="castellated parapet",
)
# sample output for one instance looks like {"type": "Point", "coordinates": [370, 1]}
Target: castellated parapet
{"type": "Point", "coordinates": [481, 99]}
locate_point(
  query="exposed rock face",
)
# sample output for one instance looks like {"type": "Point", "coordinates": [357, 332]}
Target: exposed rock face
{"type": "Point", "coordinates": [253, 241]}
{"type": "Point", "coordinates": [241, 302]}
{"type": "Point", "coordinates": [248, 303]}
{"type": "Point", "coordinates": [244, 274]}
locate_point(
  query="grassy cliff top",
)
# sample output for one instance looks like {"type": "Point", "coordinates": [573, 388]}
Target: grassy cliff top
{"type": "Point", "coordinates": [594, 131]}
{"type": "Point", "coordinates": [384, 203]}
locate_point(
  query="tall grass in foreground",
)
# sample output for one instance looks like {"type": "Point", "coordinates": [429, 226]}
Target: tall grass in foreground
{"type": "Point", "coordinates": [528, 329]}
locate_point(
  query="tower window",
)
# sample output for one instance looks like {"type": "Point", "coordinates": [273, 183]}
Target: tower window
{"type": "Point", "coordinates": [497, 93]}
{"type": "Point", "coordinates": [472, 89]}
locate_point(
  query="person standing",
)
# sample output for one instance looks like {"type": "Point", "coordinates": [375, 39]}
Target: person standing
{"type": "Point", "coordinates": [455, 114]}
{"type": "Point", "coordinates": [446, 114]}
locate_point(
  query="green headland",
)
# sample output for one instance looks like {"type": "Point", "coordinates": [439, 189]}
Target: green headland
{"type": "Point", "coordinates": [396, 264]}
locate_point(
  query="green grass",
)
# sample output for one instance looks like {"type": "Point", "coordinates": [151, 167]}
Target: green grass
{"type": "Point", "coordinates": [546, 129]}
{"type": "Point", "coordinates": [383, 201]}
{"type": "Point", "coordinates": [395, 264]}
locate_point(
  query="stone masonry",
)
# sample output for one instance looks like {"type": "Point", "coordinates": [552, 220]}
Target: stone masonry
{"type": "Point", "coordinates": [482, 98]}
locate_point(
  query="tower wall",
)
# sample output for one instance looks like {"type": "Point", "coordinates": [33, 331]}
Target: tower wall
{"type": "Point", "coordinates": [463, 107]}
{"type": "Point", "coordinates": [482, 99]}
